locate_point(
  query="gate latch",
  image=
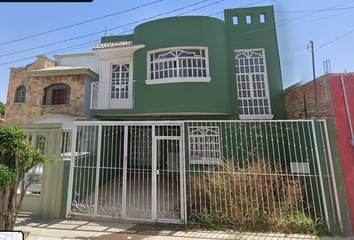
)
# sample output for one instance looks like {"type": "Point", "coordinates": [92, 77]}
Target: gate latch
{"type": "Point", "coordinates": [157, 172]}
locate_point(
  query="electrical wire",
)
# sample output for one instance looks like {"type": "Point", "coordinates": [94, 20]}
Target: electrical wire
{"type": "Point", "coordinates": [91, 34]}
{"type": "Point", "coordinates": [80, 23]}
{"type": "Point", "coordinates": [334, 40]}
{"type": "Point", "coordinates": [164, 14]}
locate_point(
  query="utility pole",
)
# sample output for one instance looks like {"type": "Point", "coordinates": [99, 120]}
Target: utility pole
{"type": "Point", "coordinates": [314, 78]}
{"type": "Point", "coordinates": [313, 70]}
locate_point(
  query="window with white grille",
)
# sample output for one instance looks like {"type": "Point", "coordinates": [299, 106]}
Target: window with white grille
{"type": "Point", "coordinates": [185, 64]}
{"type": "Point", "coordinates": [204, 145]}
{"type": "Point", "coordinates": [120, 81]}
{"type": "Point", "coordinates": [252, 84]}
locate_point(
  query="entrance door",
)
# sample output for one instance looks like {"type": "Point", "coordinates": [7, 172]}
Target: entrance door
{"type": "Point", "coordinates": [121, 87]}
{"type": "Point", "coordinates": [168, 180]}
{"type": "Point", "coordinates": [152, 174]}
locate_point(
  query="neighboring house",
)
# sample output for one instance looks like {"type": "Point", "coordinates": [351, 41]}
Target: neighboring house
{"type": "Point", "coordinates": [335, 100]}
{"type": "Point", "coordinates": [44, 99]}
{"type": "Point", "coordinates": [44, 92]}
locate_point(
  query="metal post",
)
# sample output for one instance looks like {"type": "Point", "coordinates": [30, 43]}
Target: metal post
{"type": "Point", "coordinates": [334, 184]}
{"type": "Point", "coordinates": [321, 174]}
{"type": "Point", "coordinates": [71, 170]}
{"type": "Point", "coordinates": [305, 108]}
{"type": "Point", "coordinates": [99, 141]}
{"type": "Point", "coordinates": [314, 76]}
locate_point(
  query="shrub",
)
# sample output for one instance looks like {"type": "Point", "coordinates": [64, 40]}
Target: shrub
{"type": "Point", "coordinates": [259, 196]}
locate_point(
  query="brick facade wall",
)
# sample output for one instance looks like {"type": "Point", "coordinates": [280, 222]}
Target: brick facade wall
{"type": "Point", "coordinates": [294, 99]}
{"type": "Point", "coordinates": [20, 113]}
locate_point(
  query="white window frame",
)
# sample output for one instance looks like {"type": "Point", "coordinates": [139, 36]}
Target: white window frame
{"type": "Point", "coordinates": [250, 88]}
{"type": "Point", "coordinates": [205, 132]}
{"type": "Point", "coordinates": [207, 78]}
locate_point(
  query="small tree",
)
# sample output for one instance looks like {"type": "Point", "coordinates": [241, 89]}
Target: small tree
{"type": "Point", "coordinates": [17, 157]}
{"type": "Point", "coordinates": [2, 109]}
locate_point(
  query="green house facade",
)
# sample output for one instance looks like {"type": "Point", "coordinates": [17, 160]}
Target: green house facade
{"type": "Point", "coordinates": [192, 68]}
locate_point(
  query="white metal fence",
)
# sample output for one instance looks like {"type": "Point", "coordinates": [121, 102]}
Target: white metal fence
{"type": "Point", "coordinates": [130, 171]}
{"type": "Point", "coordinates": [229, 172]}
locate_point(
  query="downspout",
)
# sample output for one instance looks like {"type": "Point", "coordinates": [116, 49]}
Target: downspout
{"type": "Point", "coordinates": [351, 141]}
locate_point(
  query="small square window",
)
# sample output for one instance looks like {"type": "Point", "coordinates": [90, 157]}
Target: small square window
{"type": "Point", "coordinates": [262, 18]}
{"type": "Point", "coordinates": [235, 20]}
{"type": "Point", "coordinates": [248, 18]}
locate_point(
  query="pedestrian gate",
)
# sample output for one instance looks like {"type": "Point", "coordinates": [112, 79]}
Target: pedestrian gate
{"type": "Point", "coordinates": [131, 171]}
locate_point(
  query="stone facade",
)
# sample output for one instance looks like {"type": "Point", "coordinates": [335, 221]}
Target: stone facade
{"type": "Point", "coordinates": [21, 113]}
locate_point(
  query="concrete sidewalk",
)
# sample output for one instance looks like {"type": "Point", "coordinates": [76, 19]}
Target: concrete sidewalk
{"type": "Point", "coordinates": [60, 229]}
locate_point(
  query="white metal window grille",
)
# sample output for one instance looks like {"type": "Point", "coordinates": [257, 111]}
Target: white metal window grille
{"type": "Point", "coordinates": [252, 83]}
{"type": "Point", "coordinates": [178, 63]}
{"type": "Point", "coordinates": [141, 146]}
{"type": "Point", "coordinates": [204, 145]}
{"type": "Point", "coordinates": [120, 81]}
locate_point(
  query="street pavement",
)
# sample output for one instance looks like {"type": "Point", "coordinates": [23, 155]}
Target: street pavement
{"type": "Point", "coordinates": [40, 228]}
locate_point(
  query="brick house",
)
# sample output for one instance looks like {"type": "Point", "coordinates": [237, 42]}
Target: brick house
{"type": "Point", "coordinates": [44, 99]}
{"type": "Point", "coordinates": [44, 92]}
{"type": "Point", "coordinates": [332, 91]}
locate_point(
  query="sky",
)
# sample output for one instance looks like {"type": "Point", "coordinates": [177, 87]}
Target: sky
{"type": "Point", "coordinates": [31, 29]}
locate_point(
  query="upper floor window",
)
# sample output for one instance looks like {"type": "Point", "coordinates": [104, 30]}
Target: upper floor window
{"type": "Point", "coordinates": [20, 94]}
{"type": "Point", "coordinates": [57, 94]}
{"type": "Point", "coordinates": [183, 64]}
{"type": "Point", "coordinates": [252, 84]}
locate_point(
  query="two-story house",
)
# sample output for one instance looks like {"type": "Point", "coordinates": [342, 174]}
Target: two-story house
{"type": "Point", "coordinates": [156, 89]}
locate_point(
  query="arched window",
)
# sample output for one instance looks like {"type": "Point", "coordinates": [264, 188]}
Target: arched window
{"type": "Point", "coordinates": [57, 94]}
{"type": "Point", "coordinates": [20, 94]}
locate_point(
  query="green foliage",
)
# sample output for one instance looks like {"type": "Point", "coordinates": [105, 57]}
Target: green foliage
{"type": "Point", "coordinates": [2, 108]}
{"type": "Point", "coordinates": [6, 175]}
{"type": "Point", "coordinates": [13, 145]}
{"type": "Point", "coordinates": [255, 197]}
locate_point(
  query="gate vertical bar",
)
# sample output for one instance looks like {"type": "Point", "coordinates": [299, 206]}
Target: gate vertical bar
{"type": "Point", "coordinates": [183, 176]}
{"type": "Point", "coordinates": [71, 171]}
{"type": "Point", "coordinates": [320, 172]}
{"type": "Point", "coordinates": [99, 141]}
{"type": "Point", "coordinates": [153, 172]}
{"type": "Point", "coordinates": [330, 160]}
{"type": "Point", "coordinates": [125, 159]}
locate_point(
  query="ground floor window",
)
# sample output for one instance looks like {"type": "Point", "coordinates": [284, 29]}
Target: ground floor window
{"type": "Point", "coordinates": [204, 145]}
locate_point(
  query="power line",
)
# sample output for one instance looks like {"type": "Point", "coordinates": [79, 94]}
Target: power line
{"type": "Point", "coordinates": [148, 19]}
{"type": "Point", "coordinates": [317, 10]}
{"type": "Point", "coordinates": [91, 34]}
{"type": "Point", "coordinates": [80, 23]}
{"type": "Point", "coordinates": [334, 40]}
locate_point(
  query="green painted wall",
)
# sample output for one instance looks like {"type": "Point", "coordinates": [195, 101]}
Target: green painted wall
{"type": "Point", "coordinates": [256, 35]}
{"type": "Point", "coordinates": [217, 99]}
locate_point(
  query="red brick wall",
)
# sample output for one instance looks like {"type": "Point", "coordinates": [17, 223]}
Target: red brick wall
{"type": "Point", "coordinates": [294, 99]}
{"type": "Point", "coordinates": [20, 113]}
{"type": "Point", "coordinates": [343, 131]}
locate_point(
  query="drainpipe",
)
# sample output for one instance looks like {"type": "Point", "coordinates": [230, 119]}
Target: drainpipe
{"type": "Point", "coordinates": [351, 141]}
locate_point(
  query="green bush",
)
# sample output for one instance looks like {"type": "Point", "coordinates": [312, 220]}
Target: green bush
{"type": "Point", "coordinates": [257, 197]}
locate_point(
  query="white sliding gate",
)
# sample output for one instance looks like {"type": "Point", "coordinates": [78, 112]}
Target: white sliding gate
{"type": "Point", "coordinates": [129, 170]}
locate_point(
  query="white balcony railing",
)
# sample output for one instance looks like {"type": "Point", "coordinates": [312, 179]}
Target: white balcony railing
{"type": "Point", "coordinates": [101, 96]}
